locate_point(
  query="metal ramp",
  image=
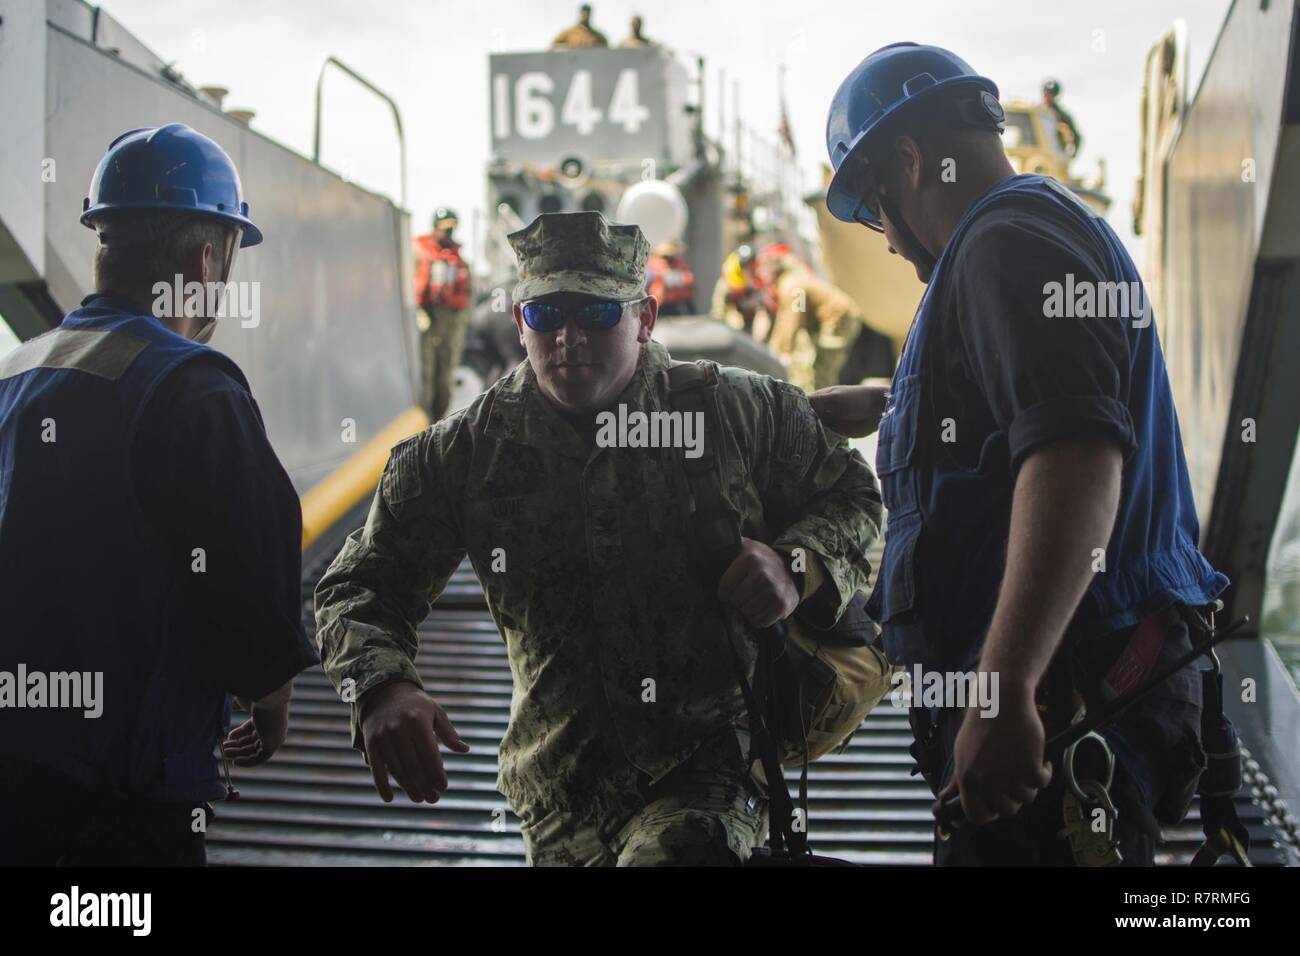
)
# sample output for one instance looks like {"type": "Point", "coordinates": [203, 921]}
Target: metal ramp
{"type": "Point", "coordinates": [314, 804]}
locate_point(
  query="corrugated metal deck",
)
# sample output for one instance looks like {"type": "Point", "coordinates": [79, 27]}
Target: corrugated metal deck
{"type": "Point", "coordinates": [315, 803]}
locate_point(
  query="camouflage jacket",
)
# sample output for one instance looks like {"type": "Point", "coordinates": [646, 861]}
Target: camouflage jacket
{"type": "Point", "coordinates": [613, 633]}
{"type": "Point", "coordinates": [578, 36]}
{"type": "Point", "coordinates": [805, 301]}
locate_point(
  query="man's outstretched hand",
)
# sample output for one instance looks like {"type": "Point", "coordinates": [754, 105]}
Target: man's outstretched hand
{"type": "Point", "coordinates": [852, 410]}
{"type": "Point", "coordinates": [401, 727]}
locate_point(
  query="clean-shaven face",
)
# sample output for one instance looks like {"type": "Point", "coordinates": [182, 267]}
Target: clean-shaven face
{"type": "Point", "coordinates": [581, 369]}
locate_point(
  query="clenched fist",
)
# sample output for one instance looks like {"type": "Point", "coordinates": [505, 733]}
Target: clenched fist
{"type": "Point", "coordinates": [998, 764]}
{"type": "Point", "coordinates": [759, 584]}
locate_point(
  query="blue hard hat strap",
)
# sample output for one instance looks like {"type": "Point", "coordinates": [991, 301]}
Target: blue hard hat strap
{"type": "Point", "coordinates": [230, 246]}
{"type": "Point", "coordinates": [233, 238]}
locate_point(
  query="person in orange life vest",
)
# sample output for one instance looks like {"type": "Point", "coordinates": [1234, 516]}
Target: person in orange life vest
{"type": "Point", "coordinates": [442, 289]}
{"type": "Point", "coordinates": [670, 280]}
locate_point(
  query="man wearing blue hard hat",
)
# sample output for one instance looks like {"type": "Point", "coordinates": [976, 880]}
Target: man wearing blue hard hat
{"type": "Point", "coordinates": [1041, 527]}
{"type": "Point", "coordinates": [149, 535]}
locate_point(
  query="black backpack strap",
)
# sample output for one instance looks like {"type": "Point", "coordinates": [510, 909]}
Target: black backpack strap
{"type": "Point", "coordinates": [692, 388]}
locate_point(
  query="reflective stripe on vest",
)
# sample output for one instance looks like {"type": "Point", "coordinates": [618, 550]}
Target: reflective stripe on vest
{"type": "Point", "coordinates": [99, 352]}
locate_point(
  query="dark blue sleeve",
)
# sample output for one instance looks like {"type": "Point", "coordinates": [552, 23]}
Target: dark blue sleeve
{"type": "Point", "coordinates": [1046, 376]}
{"type": "Point", "coordinates": [218, 495]}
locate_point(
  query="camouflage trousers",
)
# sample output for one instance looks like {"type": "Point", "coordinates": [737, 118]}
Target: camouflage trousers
{"type": "Point", "coordinates": [707, 812]}
{"type": "Point", "coordinates": [441, 345]}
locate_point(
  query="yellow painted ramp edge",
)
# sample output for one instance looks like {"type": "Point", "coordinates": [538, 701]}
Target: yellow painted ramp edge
{"type": "Point", "coordinates": [337, 493]}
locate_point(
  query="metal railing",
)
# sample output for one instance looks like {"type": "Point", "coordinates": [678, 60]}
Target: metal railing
{"type": "Point", "coordinates": [397, 116]}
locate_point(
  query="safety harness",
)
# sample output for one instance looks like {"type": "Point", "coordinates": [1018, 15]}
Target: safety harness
{"type": "Point", "coordinates": [1221, 779]}
{"type": "Point", "coordinates": [1089, 770]}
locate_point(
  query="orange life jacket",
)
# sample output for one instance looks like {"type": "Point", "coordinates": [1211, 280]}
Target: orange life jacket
{"type": "Point", "coordinates": [441, 275]}
{"type": "Point", "coordinates": [670, 280]}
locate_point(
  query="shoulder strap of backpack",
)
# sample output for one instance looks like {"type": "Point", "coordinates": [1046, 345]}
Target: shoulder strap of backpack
{"type": "Point", "coordinates": [692, 388]}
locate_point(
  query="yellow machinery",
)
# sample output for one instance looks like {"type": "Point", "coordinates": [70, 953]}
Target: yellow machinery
{"type": "Point", "coordinates": [1033, 147]}
{"type": "Point", "coordinates": [885, 286]}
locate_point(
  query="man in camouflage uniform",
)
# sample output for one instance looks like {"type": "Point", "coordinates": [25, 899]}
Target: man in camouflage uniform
{"type": "Point", "coordinates": [635, 37]}
{"type": "Point", "coordinates": [442, 291]}
{"type": "Point", "coordinates": [581, 34]}
{"type": "Point", "coordinates": [814, 323]}
{"type": "Point", "coordinates": [623, 745]}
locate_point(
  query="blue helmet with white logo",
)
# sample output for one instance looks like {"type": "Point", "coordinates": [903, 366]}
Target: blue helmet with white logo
{"type": "Point", "coordinates": [896, 83]}
{"type": "Point", "coordinates": [169, 168]}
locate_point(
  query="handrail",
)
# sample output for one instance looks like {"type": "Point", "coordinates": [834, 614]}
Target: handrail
{"type": "Point", "coordinates": [397, 116]}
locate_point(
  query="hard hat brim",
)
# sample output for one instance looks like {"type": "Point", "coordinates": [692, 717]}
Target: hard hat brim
{"type": "Point", "coordinates": [251, 234]}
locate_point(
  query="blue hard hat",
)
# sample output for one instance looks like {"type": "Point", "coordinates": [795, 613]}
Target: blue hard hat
{"type": "Point", "coordinates": [892, 83]}
{"type": "Point", "coordinates": [172, 168]}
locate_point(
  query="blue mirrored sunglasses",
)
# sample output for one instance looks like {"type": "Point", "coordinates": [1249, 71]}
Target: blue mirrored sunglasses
{"type": "Point", "coordinates": [547, 317]}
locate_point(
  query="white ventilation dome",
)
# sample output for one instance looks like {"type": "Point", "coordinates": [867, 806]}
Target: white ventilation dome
{"type": "Point", "coordinates": [657, 207]}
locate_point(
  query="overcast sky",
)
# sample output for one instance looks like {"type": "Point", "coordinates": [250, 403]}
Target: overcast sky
{"type": "Point", "coordinates": [432, 58]}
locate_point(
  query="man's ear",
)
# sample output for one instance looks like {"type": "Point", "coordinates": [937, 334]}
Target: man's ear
{"type": "Point", "coordinates": [647, 315]}
{"type": "Point", "coordinates": [912, 163]}
{"type": "Point", "coordinates": [518, 311]}
{"type": "Point", "coordinates": [198, 264]}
